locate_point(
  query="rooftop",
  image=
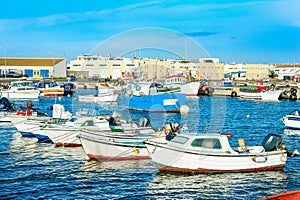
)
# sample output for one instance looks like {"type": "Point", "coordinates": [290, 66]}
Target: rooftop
{"type": "Point", "coordinates": [30, 61]}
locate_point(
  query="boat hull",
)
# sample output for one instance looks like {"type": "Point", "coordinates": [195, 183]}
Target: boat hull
{"type": "Point", "coordinates": [190, 89]}
{"type": "Point", "coordinates": [250, 95]}
{"type": "Point", "coordinates": [107, 149]}
{"type": "Point", "coordinates": [22, 94]}
{"type": "Point", "coordinates": [272, 95]}
{"type": "Point", "coordinates": [165, 102]}
{"type": "Point", "coordinates": [61, 136]}
{"type": "Point", "coordinates": [284, 196]}
{"type": "Point", "coordinates": [291, 121]}
{"type": "Point", "coordinates": [52, 92]}
{"type": "Point", "coordinates": [178, 160]}
{"type": "Point", "coordinates": [98, 98]}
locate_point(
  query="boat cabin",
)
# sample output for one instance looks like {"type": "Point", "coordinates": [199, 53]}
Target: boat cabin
{"type": "Point", "coordinates": [88, 122]}
{"type": "Point", "coordinates": [176, 79]}
{"type": "Point", "coordinates": [22, 84]}
{"type": "Point", "coordinates": [218, 143]}
{"type": "Point", "coordinates": [141, 89]}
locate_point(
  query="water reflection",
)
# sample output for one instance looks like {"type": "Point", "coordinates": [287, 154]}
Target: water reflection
{"type": "Point", "coordinates": [217, 186]}
{"type": "Point", "coordinates": [291, 132]}
{"type": "Point", "coordinates": [129, 165]}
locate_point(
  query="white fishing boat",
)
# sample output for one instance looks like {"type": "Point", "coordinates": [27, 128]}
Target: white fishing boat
{"type": "Point", "coordinates": [251, 92]}
{"type": "Point", "coordinates": [292, 120]}
{"type": "Point", "coordinates": [50, 89]}
{"type": "Point", "coordinates": [212, 153]}
{"type": "Point", "coordinates": [103, 97]}
{"type": "Point", "coordinates": [66, 133]}
{"type": "Point", "coordinates": [178, 82]}
{"type": "Point", "coordinates": [20, 90]}
{"type": "Point", "coordinates": [27, 122]}
{"type": "Point", "coordinates": [113, 147]}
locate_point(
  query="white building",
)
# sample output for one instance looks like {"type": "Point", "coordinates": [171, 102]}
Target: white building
{"type": "Point", "coordinates": [94, 66]}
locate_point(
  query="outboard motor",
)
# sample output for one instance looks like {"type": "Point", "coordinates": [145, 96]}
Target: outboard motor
{"type": "Point", "coordinates": [272, 142]}
{"type": "Point", "coordinates": [6, 105]}
{"type": "Point", "coordinates": [143, 122]}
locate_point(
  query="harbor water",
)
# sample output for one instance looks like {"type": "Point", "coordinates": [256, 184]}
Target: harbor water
{"type": "Point", "coordinates": [32, 170]}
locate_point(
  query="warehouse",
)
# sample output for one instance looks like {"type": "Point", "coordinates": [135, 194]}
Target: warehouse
{"type": "Point", "coordinates": [34, 67]}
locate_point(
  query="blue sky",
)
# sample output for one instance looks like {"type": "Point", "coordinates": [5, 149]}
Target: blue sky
{"type": "Point", "coordinates": [261, 31]}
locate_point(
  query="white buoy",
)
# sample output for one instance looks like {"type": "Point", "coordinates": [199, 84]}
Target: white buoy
{"type": "Point", "coordinates": [184, 109]}
{"type": "Point", "coordinates": [248, 116]}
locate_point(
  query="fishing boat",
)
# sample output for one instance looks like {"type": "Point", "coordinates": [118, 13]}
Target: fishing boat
{"type": "Point", "coordinates": [292, 120]}
{"type": "Point", "coordinates": [146, 97]}
{"type": "Point", "coordinates": [204, 89]}
{"type": "Point", "coordinates": [51, 89]}
{"type": "Point", "coordinates": [212, 153]}
{"type": "Point", "coordinates": [66, 134]}
{"type": "Point", "coordinates": [103, 95]}
{"type": "Point", "coordinates": [109, 97]}
{"type": "Point", "coordinates": [28, 121]}
{"type": "Point", "coordinates": [178, 83]}
{"type": "Point", "coordinates": [119, 146]}
{"type": "Point", "coordinates": [20, 90]}
{"type": "Point", "coordinates": [69, 88]}
{"type": "Point", "coordinates": [252, 92]}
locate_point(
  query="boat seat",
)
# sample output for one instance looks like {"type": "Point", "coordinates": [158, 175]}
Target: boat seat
{"type": "Point", "coordinates": [242, 146]}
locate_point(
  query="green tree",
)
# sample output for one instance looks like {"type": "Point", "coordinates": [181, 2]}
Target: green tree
{"type": "Point", "coordinates": [272, 74]}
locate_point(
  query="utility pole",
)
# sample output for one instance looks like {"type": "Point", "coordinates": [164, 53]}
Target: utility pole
{"type": "Point", "coordinates": [4, 50]}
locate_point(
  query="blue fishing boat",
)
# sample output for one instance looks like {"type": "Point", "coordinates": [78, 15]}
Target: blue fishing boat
{"type": "Point", "coordinates": [69, 88]}
{"type": "Point", "coordinates": [147, 97]}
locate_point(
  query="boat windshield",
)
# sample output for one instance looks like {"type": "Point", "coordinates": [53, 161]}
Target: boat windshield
{"type": "Point", "coordinates": [21, 84]}
{"type": "Point", "coordinates": [295, 112]}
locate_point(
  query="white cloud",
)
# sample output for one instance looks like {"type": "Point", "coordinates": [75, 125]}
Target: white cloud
{"type": "Point", "coordinates": [58, 19]}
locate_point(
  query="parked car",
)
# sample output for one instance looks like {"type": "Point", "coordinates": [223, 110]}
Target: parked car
{"type": "Point", "coordinates": [12, 74]}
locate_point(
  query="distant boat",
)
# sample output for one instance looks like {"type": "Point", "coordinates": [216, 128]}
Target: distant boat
{"type": "Point", "coordinates": [204, 89]}
{"type": "Point", "coordinates": [178, 82]}
{"type": "Point", "coordinates": [147, 98]}
{"type": "Point", "coordinates": [260, 93]}
{"type": "Point", "coordinates": [69, 88]}
{"type": "Point", "coordinates": [109, 97]}
{"type": "Point", "coordinates": [103, 95]}
{"type": "Point", "coordinates": [20, 90]}
{"type": "Point", "coordinates": [51, 89]}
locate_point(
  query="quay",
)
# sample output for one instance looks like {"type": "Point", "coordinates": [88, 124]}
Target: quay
{"type": "Point", "coordinates": [218, 90]}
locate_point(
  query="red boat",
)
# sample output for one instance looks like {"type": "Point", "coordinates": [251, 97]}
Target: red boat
{"type": "Point", "coordinates": [260, 85]}
{"type": "Point", "coordinates": [291, 195]}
